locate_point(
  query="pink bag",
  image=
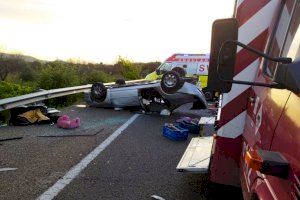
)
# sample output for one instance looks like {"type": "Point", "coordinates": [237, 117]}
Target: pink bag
{"type": "Point", "coordinates": [65, 122]}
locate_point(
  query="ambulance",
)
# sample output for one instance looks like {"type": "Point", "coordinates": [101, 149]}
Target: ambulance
{"type": "Point", "coordinates": [190, 65]}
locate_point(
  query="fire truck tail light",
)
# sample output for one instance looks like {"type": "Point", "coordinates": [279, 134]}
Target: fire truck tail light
{"type": "Point", "coordinates": [268, 162]}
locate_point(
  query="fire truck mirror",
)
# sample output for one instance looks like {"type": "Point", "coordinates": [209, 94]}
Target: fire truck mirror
{"type": "Point", "coordinates": [288, 76]}
{"type": "Point", "coordinates": [222, 62]}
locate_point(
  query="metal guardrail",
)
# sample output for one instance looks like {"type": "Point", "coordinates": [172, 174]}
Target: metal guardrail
{"type": "Point", "coordinates": [12, 102]}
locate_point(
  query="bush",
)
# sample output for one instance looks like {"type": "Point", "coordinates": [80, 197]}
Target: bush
{"type": "Point", "coordinates": [22, 77]}
{"type": "Point", "coordinates": [28, 74]}
{"type": "Point", "coordinates": [4, 117]}
{"type": "Point", "coordinates": [129, 70]}
{"type": "Point", "coordinates": [147, 68]}
{"type": "Point", "coordinates": [58, 75]}
{"type": "Point", "coordinates": [97, 76]}
{"type": "Point", "coordinates": [11, 90]}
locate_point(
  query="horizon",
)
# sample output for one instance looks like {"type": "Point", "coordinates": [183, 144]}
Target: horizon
{"type": "Point", "coordinates": [99, 31]}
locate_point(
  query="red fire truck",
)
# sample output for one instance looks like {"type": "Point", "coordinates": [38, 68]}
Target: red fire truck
{"type": "Point", "coordinates": [255, 66]}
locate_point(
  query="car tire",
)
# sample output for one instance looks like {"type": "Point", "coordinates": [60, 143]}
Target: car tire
{"type": "Point", "coordinates": [180, 71]}
{"type": "Point", "coordinates": [98, 92]}
{"type": "Point", "coordinates": [171, 82]}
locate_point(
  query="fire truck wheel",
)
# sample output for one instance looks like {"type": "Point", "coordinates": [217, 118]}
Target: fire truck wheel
{"type": "Point", "coordinates": [98, 92]}
{"type": "Point", "coordinates": [171, 82]}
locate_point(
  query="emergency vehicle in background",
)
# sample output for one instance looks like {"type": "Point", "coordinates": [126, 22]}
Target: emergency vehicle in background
{"type": "Point", "coordinates": [255, 66]}
{"type": "Point", "coordinates": [189, 65]}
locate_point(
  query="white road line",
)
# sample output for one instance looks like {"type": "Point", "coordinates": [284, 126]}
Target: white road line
{"type": "Point", "coordinates": [7, 169]}
{"type": "Point", "coordinates": [75, 170]}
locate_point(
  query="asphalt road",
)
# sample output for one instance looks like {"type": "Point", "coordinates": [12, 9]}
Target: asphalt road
{"type": "Point", "coordinates": [139, 163]}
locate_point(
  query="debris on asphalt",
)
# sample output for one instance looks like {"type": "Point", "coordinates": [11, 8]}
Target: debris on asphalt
{"type": "Point", "coordinates": [165, 112]}
{"type": "Point", "coordinates": [35, 114]}
{"type": "Point", "coordinates": [143, 112]}
{"type": "Point", "coordinates": [189, 123]}
{"type": "Point", "coordinates": [67, 123]}
{"type": "Point", "coordinates": [192, 127]}
{"type": "Point", "coordinates": [157, 197]}
{"type": "Point", "coordinates": [175, 132]}
{"type": "Point", "coordinates": [7, 169]}
{"type": "Point", "coordinates": [3, 125]}
{"type": "Point", "coordinates": [9, 139]}
{"type": "Point", "coordinates": [52, 111]}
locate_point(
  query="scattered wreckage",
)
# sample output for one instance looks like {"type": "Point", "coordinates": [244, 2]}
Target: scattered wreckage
{"type": "Point", "coordinates": [33, 114]}
{"type": "Point", "coordinates": [40, 114]}
{"type": "Point", "coordinates": [168, 93]}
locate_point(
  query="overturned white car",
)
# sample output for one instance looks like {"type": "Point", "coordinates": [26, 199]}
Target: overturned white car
{"type": "Point", "coordinates": [169, 93]}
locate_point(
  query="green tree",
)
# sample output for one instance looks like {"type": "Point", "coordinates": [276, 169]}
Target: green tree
{"type": "Point", "coordinates": [27, 73]}
{"type": "Point", "coordinates": [9, 64]}
{"type": "Point", "coordinates": [97, 76]}
{"type": "Point", "coordinates": [128, 69]}
{"type": "Point", "coordinates": [59, 75]}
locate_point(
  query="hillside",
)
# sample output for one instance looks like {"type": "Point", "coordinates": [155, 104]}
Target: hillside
{"type": "Point", "coordinates": [23, 57]}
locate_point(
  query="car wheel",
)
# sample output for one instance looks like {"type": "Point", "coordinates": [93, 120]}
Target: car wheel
{"type": "Point", "coordinates": [171, 82]}
{"type": "Point", "coordinates": [98, 92]}
{"type": "Point", "coordinates": [180, 71]}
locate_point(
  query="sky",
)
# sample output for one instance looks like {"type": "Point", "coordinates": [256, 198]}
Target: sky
{"type": "Point", "coordinates": [102, 30]}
